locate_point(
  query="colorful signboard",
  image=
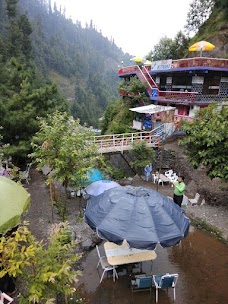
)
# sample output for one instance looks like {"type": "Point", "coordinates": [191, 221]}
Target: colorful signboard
{"type": "Point", "coordinates": [161, 64]}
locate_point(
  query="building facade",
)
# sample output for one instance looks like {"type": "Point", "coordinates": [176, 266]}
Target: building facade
{"type": "Point", "coordinates": [186, 84]}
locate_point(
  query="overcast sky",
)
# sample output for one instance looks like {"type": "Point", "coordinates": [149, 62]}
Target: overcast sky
{"type": "Point", "coordinates": [135, 25]}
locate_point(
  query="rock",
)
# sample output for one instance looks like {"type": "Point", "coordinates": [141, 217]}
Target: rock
{"type": "Point", "coordinates": [95, 239]}
{"type": "Point", "coordinates": [123, 182]}
{"type": "Point", "coordinates": [136, 178]}
{"type": "Point", "coordinates": [87, 245]}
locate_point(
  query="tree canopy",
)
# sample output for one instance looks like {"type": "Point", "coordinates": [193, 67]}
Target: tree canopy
{"type": "Point", "coordinates": [24, 93]}
{"type": "Point", "coordinates": [67, 148]}
{"type": "Point", "coordinates": [206, 140]}
{"type": "Point", "coordinates": [198, 13]}
{"type": "Point", "coordinates": [168, 48]}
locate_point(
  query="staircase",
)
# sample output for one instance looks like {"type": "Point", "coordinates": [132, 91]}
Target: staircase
{"type": "Point", "coordinates": [152, 88]}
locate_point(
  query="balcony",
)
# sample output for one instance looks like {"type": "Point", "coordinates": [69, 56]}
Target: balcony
{"type": "Point", "coordinates": [200, 62]}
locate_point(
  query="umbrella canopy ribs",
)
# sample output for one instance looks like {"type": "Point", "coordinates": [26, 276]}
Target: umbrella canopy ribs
{"type": "Point", "coordinates": [143, 217]}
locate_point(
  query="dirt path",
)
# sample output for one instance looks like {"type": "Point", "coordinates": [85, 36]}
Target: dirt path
{"type": "Point", "coordinates": [39, 213]}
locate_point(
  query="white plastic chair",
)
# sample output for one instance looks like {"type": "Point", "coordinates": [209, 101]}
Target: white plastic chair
{"type": "Point", "coordinates": [173, 177]}
{"type": "Point", "coordinates": [160, 181]}
{"type": "Point", "coordinates": [155, 177]}
{"type": "Point", "coordinates": [24, 175]}
{"type": "Point", "coordinates": [168, 173]}
{"type": "Point", "coordinates": [194, 201]}
{"type": "Point", "coordinates": [165, 281]}
{"type": "Point", "coordinates": [105, 266]}
{"type": "Point", "coordinates": [5, 299]}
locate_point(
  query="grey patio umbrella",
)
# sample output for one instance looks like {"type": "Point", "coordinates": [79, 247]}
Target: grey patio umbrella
{"type": "Point", "coordinates": [98, 187]}
{"type": "Point", "coordinates": [142, 217]}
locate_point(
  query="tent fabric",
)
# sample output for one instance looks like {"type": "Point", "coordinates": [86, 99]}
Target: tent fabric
{"type": "Point", "coordinates": [152, 109]}
{"type": "Point", "coordinates": [143, 217]}
{"type": "Point", "coordinates": [93, 175]}
{"type": "Point", "coordinates": [98, 187]}
{"type": "Point", "coordinates": [14, 201]}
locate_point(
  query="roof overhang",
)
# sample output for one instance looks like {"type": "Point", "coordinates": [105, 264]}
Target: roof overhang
{"type": "Point", "coordinates": [152, 109]}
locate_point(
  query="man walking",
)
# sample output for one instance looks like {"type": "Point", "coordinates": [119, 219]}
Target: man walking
{"type": "Point", "coordinates": [179, 188]}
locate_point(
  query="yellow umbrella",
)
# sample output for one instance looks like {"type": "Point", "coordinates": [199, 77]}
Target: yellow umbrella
{"type": "Point", "coordinates": [201, 46]}
{"type": "Point", "coordinates": [137, 59]}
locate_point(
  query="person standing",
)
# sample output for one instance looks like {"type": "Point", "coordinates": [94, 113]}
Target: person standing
{"type": "Point", "coordinates": [179, 188]}
{"type": "Point", "coordinates": [147, 171]}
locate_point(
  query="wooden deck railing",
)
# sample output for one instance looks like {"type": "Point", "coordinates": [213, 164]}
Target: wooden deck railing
{"type": "Point", "coordinates": [125, 141]}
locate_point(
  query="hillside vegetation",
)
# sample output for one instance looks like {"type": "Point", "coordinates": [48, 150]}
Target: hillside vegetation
{"type": "Point", "coordinates": [81, 61]}
{"type": "Point", "coordinates": [47, 62]}
{"type": "Point", "coordinates": [215, 30]}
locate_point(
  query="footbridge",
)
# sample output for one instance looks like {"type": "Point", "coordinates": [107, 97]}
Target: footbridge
{"type": "Point", "coordinates": [123, 142]}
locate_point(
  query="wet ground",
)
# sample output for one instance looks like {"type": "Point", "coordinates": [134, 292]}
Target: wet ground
{"type": "Point", "coordinates": [200, 261]}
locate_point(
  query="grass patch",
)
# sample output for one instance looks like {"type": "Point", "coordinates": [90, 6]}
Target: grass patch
{"type": "Point", "coordinates": [215, 232]}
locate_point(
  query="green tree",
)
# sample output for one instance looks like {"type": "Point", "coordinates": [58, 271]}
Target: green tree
{"type": "Point", "coordinates": [21, 101]}
{"type": "Point", "coordinates": [168, 48]}
{"type": "Point", "coordinates": [199, 12]}
{"type": "Point", "coordinates": [142, 155]}
{"type": "Point", "coordinates": [67, 147]}
{"type": "Point", "coordinates": [43, 270]}
{"type": "Point", "coordinates": [163, 49]}
{"type": "Point", "coordinates": [206, 140]}
{"type": "Point", "coordinates": [118, 119]}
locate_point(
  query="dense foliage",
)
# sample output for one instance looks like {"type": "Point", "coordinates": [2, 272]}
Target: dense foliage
{"type": "Point", "coordinates": [65, 146]}
{"type": "Point", "coordinates": [86, 61]}
{"type": "Point", "coordinates": [37, 43]}
{"type": "Point", "coordinates": [118, 118]}
{"type": "Point", "coordinates": [206, 140]}
{"type": "Point", "coordinates": [168, 48]}
{"type": "Point", "coordinates": [200, 10]}
{"type": "Point", "coordinates": [142, 155]}
{"type": "Point", "coordinates": [44, 271]}
{"type": "Point", "coordinates": [24, 93]}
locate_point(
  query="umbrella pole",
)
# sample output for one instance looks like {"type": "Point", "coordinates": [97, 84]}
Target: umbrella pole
{"type": "Point", "coordinates": [201, 52]}
{"type": "Point", "coordinates": [160, 165]}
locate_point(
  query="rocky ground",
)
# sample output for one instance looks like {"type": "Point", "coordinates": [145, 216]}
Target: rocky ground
{"type": "Point", "coordinates": [40, 212]}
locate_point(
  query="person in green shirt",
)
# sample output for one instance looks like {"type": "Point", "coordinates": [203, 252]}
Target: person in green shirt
{"type": "Point", "coordinates": [179, 188]}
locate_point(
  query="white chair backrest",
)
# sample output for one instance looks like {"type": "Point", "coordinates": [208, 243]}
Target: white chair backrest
{"type": "Point", "coordinates": [169, 172]}
{"type": "Point", "coordinates": [197, 196]}
{"type": "Point", "coordinates": [203, 202]}
{"type": "Point", "coordinates": [28, 168]}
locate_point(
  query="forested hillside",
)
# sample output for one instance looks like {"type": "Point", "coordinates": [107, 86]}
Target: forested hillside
{"type": "Point", "coordinates": [47, 62]}
{"type": "Point", "coordinates": [80, 60]}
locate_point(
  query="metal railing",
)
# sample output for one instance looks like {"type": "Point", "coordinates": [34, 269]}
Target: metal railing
{"type": "Point", "coordinates": [125, 141]}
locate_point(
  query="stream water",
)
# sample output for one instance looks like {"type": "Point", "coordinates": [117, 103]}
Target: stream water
{"type": "Point", "coordinates": [200, 260]}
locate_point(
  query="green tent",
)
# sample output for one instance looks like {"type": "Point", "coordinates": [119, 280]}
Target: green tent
{"type": "Point", "coordinates": [14, 201]}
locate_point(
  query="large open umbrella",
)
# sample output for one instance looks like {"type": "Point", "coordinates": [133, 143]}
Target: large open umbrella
{"type": "Point", "coordinates": [14, 201]}
{"type": "Point", "coordinates": [201, 46]}
{"type": "Point", "coordinates": [98, 187]}
{"type": "Point", "coordinates": [142, 217]}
